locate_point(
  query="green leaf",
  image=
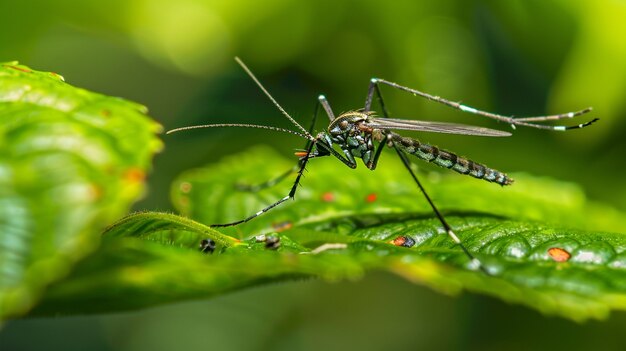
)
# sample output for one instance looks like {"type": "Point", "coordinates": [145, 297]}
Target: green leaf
{"type": "Point", "coordinates": [71, 162]}
{"type": "Point", "coordinates": [129, 273]}
{"type": "Point", "coordinates": [167, 229]}
{"type": "Point", "coordinates": [330, 190]}
{"type": "Point", "coordinates": [152, 258]}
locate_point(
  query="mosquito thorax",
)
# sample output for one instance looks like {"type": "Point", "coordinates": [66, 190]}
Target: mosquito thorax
{"type": "Point", "coordinates": [346, 123]}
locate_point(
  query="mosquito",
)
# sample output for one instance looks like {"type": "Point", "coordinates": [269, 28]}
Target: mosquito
{"type": "Point", "coordinates": [362, 134]}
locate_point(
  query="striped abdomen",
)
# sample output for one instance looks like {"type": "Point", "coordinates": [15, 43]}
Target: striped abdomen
{"type": "Point", "coordinates": [449, 160]}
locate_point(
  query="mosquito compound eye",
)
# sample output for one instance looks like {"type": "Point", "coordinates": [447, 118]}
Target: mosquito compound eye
{"type": "Point", "coordinates": [344, 124]}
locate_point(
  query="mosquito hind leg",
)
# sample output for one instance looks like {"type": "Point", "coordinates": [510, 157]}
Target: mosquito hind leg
{"type": "Point", "coordinates": [475, 263]}
{"type": "Point", "coordinates": [407, 164]}
{"type": "Point", "coordinates": [531, 122]}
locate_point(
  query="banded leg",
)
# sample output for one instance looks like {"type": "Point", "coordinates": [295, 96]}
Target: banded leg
{"type": "Point", "coordinates": [258, 187]}
{"type": "Point", "coordinates": [374, 162]}
{"type": "Point", "coordinates": [324, 148]}
{"type": "Point", "coordinates": [329, 111]}
{"type": "Point", "coordinates": [291, 195]}
{"type": "Point", "coordinates": [519, 121]}
{"type": "Point", "coordinates": [407, 164]}
{"type": "Point", "coordinates": [253, 188]}
{"type": "Point", "coordinates": [474, 261]}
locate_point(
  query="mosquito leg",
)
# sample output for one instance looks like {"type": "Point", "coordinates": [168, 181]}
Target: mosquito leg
{"type": "Point", "coordinates": [329, 112]}
{"type": "Point", "coordinates": [326, 145]}
{"type": "Point", "coordinates": [374, 162]}
{"type": "Point", "coordinates": [291, 195]}
{"type": "Point", "coordinates": [348, 159]}
{"type": "Point", "coordinates": [474, 261]}
{"type": "Point", "coordinates": [322, 142]}
{"type": "Point", "coordinates": [312, 126]}
{"type": "Point", "coordinates": [258, 187]}
{"type": "Point", "coordinates": [375, 90]}
{"type": "Point", "coordinates": [531, 122]}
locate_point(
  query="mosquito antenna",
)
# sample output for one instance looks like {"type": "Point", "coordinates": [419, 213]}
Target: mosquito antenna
{"type": "Point", "coordinates": [237, 125]}
{"type": "Point", "coordinates": [245, 68]}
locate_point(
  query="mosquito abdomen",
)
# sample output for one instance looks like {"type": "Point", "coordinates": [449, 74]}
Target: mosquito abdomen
{"type": "Point", "coordinates": [449, 160]}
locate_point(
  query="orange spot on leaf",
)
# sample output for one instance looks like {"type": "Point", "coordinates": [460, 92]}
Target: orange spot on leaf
{"type": "Point", "coordinates": [134, 175]}
{"type": "Point", "coordinates": [399, 241]}
{"type": "Point", "coordinates": [18, 68]}
{"type": "Point", "coordinates": [403, 241]}
{"type": "Point", "coordinates": [57, 76]}
{"type": "Point", "coordinates": [371, 197]}
{"type": "Point", "coordinates": [558, 254]}
{"type": "Point", "coordinates": [328, 197]}
{"type": "Point", "coordinates": [96, 192]}
{"type": "Point", "coordinates": [300, 153]}
{"type": "Point", "coordinates": [185, 187]}
{"type": "Point", "coordinates": [184, 201]}
{"type": "Point", "coordinates": [282, 226]}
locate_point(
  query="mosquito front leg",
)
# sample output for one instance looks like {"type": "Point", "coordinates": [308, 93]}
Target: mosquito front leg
{"type": "Point", "coordinates": [327, 146]}
{"type": "Point", "coordinates": [291, 195]}
{"type": "Point", "coordinates": [531, 122]}
{"type": "Point", "coordinates": [374, 162]}
{"type": "Point", "coordinates": [258, 187]}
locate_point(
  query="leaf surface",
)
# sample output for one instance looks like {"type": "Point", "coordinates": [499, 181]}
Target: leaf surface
{"type": "Point", "coordinates": [71, 162]}
{"type": "Point", "coordinates": [153, 258]}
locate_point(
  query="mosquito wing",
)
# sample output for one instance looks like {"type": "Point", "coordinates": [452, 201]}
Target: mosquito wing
{"type": "Point", "coordinates": [435, 127]}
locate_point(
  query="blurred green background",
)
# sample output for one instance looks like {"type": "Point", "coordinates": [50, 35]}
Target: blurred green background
{"type": "Point", "coordinates": [512, 57]}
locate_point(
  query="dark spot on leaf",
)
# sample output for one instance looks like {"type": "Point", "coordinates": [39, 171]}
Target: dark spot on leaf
{"type": "Point", "coordinates": [207, 246]}
{"type": "Point", "coordinates": [105, 113]}
{"type": "Point", "coordinates": [272, 243]}
{"type": "Point", "coordinates": [403, 241]}
{"type": "Point", "coordinates": [558, 254]}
